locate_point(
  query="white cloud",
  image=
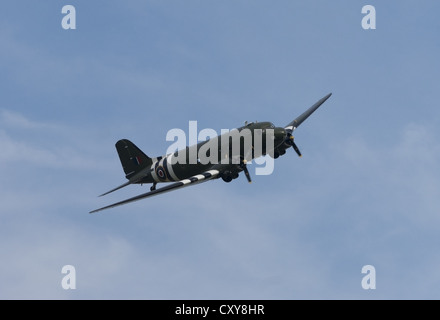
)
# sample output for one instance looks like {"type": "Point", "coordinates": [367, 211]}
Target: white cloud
{"type": "Point", "coordinates": [304, 231]}
{"type": "Point", "coordinates": [18, 121]}
{"type": "Point", "coordinates": [26, 141]}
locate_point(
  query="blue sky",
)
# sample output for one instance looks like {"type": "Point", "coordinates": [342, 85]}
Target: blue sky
{"type": "Point", "coordinates": [366, 192]}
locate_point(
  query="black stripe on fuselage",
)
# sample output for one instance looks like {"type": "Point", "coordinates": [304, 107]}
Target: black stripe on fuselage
{"type": "Point", "coordinates": [165, 167]}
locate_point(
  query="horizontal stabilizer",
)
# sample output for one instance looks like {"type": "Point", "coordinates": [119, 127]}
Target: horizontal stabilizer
{"type": "Point", "coordinates": [117, 188]}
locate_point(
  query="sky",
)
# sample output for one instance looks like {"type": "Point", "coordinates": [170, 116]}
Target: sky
{"type": "Point", "coordinates": [365, 192]}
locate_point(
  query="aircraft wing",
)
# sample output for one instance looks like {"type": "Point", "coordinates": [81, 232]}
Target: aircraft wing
{"type": "Point", "coordinates": [199, 178]}
{"type": "Point", "coordinates": [295, 123]}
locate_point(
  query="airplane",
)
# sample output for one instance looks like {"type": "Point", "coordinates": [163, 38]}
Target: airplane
{"type": "Point", "coordinates": [141, 169]}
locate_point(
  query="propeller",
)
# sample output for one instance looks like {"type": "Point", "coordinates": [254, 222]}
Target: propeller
{"type": "Point", "coordinates": [246, 171]}
{"type": "Point", "coordinates": [297, 122]}
{"type": "Point", "coordinates": [290, 141]}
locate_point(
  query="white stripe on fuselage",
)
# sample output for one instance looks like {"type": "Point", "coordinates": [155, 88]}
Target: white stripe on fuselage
{"type": "Point", "coordinates": [153, 171]}
{"type": "Point", "coordinates": [170, 168]}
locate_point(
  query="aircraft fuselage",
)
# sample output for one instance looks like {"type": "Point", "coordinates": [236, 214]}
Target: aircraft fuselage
{"type": "Point", "coordinates": [226, 151]}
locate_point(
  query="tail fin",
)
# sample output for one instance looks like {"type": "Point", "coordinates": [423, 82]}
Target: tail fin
{"type": "Point", "coordinates": [132, 158]}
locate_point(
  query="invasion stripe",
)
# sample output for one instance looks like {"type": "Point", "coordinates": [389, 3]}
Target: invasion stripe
{"type": "Point", "coordinates": [170, 170]}
{"type": "Point", "coordinates": [153, 171]}
{"type": "Point", "coordinates": [165, 167]}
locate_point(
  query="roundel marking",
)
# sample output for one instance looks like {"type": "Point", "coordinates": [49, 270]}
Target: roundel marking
{"type": "Point", "coordinates": [161, 172]}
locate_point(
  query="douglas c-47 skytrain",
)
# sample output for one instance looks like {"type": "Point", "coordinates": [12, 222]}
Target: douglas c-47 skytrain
{"type": "Point", "coordinates": [223, 156]}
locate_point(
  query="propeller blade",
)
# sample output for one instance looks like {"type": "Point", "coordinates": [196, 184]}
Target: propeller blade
{"type": "Point", "coordinates": [290, 141]}
{"type": "Point", "coordinates": [248, 176]}
{"type": "Point", "coordinates": [294, 146]}
{"type": "Point", "coordinates": [246, 171]}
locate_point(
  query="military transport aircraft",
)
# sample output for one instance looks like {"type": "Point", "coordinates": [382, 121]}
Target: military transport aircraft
{"type": "Point", "coordinates": [184, 171]}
